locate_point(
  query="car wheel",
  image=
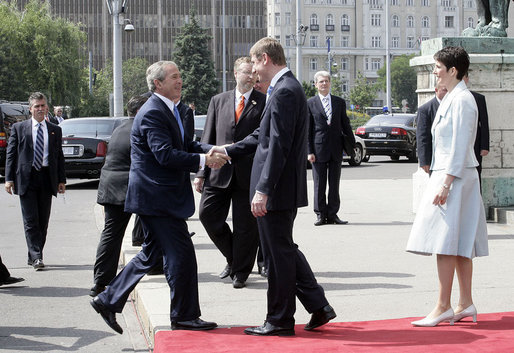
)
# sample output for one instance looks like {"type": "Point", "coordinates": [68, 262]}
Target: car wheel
{"type": "Point", "coordinates": [366, 158]}
{"type": "Point", "coordinates": [357, 158]}
{"type": "Point", "coordinates": [413, 156]}
{"type": "Point", "coordinates": [395, 158]}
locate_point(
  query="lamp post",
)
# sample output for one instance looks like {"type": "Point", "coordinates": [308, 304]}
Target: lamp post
{"type": "Point", "coordinates": [388, 61]}
{"type": "Point", "coordinates": [299, 39]}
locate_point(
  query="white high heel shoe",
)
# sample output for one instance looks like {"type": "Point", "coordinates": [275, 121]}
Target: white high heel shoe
{"type": "Point", "coordinates": [469, 311]}
{"type": "Point", "coordinates": [426, 322]}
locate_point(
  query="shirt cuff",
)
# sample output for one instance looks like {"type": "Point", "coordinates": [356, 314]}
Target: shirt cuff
{"type": "Point", "coordinates": [202, 162]}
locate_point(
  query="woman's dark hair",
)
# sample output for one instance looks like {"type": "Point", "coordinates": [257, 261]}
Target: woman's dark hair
{"type": "Point", "coordinates": [455, 57]}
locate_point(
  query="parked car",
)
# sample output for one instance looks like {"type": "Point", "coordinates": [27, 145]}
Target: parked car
{"type": "Point", "coordinates": [391, 135]}
{"type": "Point", "coordinates": [10, 113]}
{"type": "Point", "coordinates": [199, 126]}
{"type": "Point", "coordinates": [360, 152]}
{"type": "Point", "coordinates": [84, 145]}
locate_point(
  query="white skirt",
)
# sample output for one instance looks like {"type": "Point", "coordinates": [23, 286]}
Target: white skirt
{"type": "Point", "coordinates": [455, 228]}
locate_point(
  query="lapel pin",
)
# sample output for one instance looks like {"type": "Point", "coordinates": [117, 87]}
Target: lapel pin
{"type": "Point", "coordinates": [254, 102]}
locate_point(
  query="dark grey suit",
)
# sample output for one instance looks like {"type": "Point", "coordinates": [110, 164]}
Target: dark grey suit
{"type": "Point", "coordinates": [482, 139]}
{"type": "Point", "coordinates": [425, 118]}
{"type": "Point", "coordinates": [34, 187]}
{"type": "Point", "coordinates": [231, 183]}
{"type": "Point", "coordinates": [326, 143]}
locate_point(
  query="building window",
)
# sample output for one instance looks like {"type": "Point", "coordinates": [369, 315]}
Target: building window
{"type": "Point", "coordinates": [425, 22]}
{"type": "Point", "coordinates": [375, 20]}
{"type": "Point", "coordinates": [376, 64]}
{"type": "Point", "coordinates": [314, 19]}
{"type": "Point", "coordinates": [471, 22]}
{"type": "Point", "coordinates": [277, 18]}
{"type": "Point", "coordinates": [344, 86]}
{"type": "Point", "coordinates": [375, 42]}
{"type": "Point", "coordinates": [288, 18]}
{"type": "Point", "coordinates": [410, 21]}
{"type": "Point", "coordinates": [395, 42]}
{"type": "Point", "coordinates": [425, 3]}
{"type": "Point", "coordinates": [424, 38]}
{"type": "Point", "coordinates": [313, 64]}
{"type": "Point", "coordinates": [446, 3]}
{"type": "Point", "coordinates": [410, 42]}
{"type": "Point", "coordinates": [314, 41]}
{"type": "Point", "coordinates": [469, 4]}
{"type": "Point", "coordinates": [345, 41]}
{"type": "Point", "coordinates": [448, 21]}
{"type": "Point", "coordinates": [345, 20]}
{"type": "Point", "coordinates": [396, 21]}
{"type": "Point", "coordinates": [288, 40]}
{"type": "Point", "coordinates": [329, 21]}
{"type": "Point", "coordinates": [395, 2]}
{"type": "Point", "coordinates": [409, 2]}
{"type": "Point", "coordinates": [277, 37]}
{"type": "Point", "coordinates": [344, 2]}
{"type": "Point", "coordinates": [344, 64]}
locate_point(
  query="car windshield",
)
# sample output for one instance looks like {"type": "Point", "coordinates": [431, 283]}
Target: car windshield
{"type": "Point", "coordinates": [391, 120]}
{"type": "Point", "coordinates": [87, 127]}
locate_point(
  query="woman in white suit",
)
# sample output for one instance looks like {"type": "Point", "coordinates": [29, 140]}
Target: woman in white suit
{"type": "Point", "coordinates": [451, 220]}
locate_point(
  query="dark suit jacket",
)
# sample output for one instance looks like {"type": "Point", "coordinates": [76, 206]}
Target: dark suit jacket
{"type": "Point", "coordinates": [20, 155]}
{"type": "Point", "coordinates": [279, 166]}
{"type": "Point", "coordinates": [115, 172]}
{"type": "Point", "coordinates": [159, 183]}
{"type": "Point", "coordinates": [220, 129]}
{"type": "Point", "coordinates": [327, 141]}
{"type": "Point", "coordinates": [425, 118]}
{"type": "Point", "coordinates": [188, 119]}
{"type": "Point", "coordinates": [482, 139]}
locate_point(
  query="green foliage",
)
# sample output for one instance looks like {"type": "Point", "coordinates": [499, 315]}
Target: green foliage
{"type": "Point", "coordinates": [39, 53]}
{"type": "Point", "coordinates": [357, 119]}
{"type": "Point", "coordinates": [309, 89]}
{"type": "Point", "coordinates": [363, 92]}
{"type": "Point", "coordinates": [194, 61]}
{"type": "Point", "coordinates": [336, 86]}
{"type": "Point", "coordinates": [403, 82]}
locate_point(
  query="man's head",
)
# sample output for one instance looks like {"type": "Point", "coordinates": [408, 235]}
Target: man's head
{"type": "Point", "coordinates": [440, 91]}
{"type": "Point", "coordinates": [243, 73]}
{"type": "Point", "coordinates": [322, 82]}
{"type": "Point", "coordinates": [37, 106]}
{"type": "Point", "coordinates": [267, 57]}
{"type": "Point", "coordinates": [58, 111]}
{"type": "Point", "coordinates": [134, 104]}
{"type": "Point", "coordinates": [164, 78]}
{"type": "Point", "coordinates": [261, 85]}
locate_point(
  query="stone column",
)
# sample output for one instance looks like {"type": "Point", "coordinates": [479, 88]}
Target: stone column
{"type": "Point", "coordinates": [491, 73]}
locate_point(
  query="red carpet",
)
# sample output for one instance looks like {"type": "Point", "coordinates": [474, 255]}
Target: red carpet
{"type": "Point", "coordinates": [492, 333]}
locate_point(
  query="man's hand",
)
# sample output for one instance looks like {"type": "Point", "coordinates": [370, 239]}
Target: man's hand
{"type": "Point", "coordinates": [426, 168]}
{"type": "Point", "coordinates": [9, 187]}
{"type": "Point", "coordinates": [311, 157]}
{"type": "Point", "coordinates": [219, 149]}
{"type": "Point", "coordinates": [484, 153]}
{"type": "Point", "coordinates": [61, 188]}
{"type": "Point", "coordinates": [259, 202]}
{"type": "Point", "coordinates": [198, 183]}
{"type": "Point", "coordinates": [216, 160]}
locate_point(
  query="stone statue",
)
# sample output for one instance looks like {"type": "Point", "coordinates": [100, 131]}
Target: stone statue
{"type": "Point", "coordinates": [492, 19]}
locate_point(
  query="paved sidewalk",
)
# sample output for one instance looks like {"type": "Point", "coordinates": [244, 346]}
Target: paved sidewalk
{"type": "Point", "coordinates": [362, 266]}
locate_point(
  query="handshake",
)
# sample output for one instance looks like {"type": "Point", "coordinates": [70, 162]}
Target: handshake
{"type": "Point", "coordinates": [216, 157]}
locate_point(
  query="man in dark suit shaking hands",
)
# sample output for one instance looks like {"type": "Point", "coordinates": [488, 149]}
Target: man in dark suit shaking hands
{"type": "Point", "coordinates": [329, 132]}
{"type": "Point", "coordinates": [159, 191]}
{"type": "Point", "coordinates": [278, 186]}
{"type": "Point", "coordinates": [34, 170]}
{"type": "Point", "coordinates": [232, 116]}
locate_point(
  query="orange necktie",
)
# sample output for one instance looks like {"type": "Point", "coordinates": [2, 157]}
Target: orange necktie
{"type": "Point", "coordinates": [240, 107]}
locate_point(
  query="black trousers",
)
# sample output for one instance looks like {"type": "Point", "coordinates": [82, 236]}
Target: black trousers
{"type": "Point", "coordinates": [238, 245]}
{"type": "Point", "coordinates": [289, 273]}
{"type": "Point", "coordinates": [109, 247]}
{"type": "Point", "coordinates": [36, 205]}
{"type": "Point", "coordinates": [166, 237]}
{"type": "Point", "coordinates": [321, 172]}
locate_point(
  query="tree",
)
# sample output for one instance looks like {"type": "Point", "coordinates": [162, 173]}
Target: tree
{"type": "Point", "coordinates": [195, 64]}
{"type": "Point", "coordinates": [44, 54]}
{"type": "Point", "coordinates": [363, 92]}
{"type": "Point", "coordinates": [403, 82]}
{"type": "Point", "coordinates": [309, 89]}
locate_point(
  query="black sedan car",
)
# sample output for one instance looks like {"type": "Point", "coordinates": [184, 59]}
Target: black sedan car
{"type": "Point", "coordinates": [84, 145]}
{"type": "Point", "coordinates": [391, 135]}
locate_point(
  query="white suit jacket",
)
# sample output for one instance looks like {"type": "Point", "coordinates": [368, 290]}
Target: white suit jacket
{"type": "Point", "coordinates": [454, 131]}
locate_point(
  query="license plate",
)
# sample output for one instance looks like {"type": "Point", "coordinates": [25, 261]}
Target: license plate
{"type": "Point", "coordinates": [377, 134]}
{"type": "Point", "coordinates": [68, 151]}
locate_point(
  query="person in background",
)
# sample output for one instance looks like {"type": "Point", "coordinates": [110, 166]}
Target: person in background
{"type": "Point", "coordinates": [58, 115]}
{"type": "Point", "coordinates": [450, 221]}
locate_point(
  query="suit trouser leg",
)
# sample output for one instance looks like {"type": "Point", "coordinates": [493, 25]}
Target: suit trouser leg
{"type": "Point", "coordinates": [334, 177]}
{"type": "Point", "coordinates": [245, 234]}
{"type": "Point", "coordinates": [109, 247]}
{"type": "Point", "coordinates": [319, 176]}
{"type": "Point", "coordinates": [36, 205]}
{"type": "Point", "coordinates": [213, 212]}
{"type": "Point", "coordinates": [289, 272]}
{"type": "Point", "coordinates": [4, 272]}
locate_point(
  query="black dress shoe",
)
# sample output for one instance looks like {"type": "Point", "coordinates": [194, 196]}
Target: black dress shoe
{"type": "Point", "coordinates": [11, 280]}
{"type": "Point", "coordinates": [320, 317]}
{"type": "Point", "coordinates": [108, 316]}
{"type": "Point", "coordinates": [268, 329]}
{"type": "Point", "coordinates": [96, 289]}
{"type": "Point", "coordinates": [320, 221]}
{"type": "Point", "coordinates": [193, 325]}
{"type": "Point", "coordinates": [336, 220]}
{"type": "Point", "coordinates": [237, 283]}
{"type": "Point", "coordinates": [263, 271]}
{"type": "Point", "coordinates": [38, 264]}
{"type": "Point", "coordinates": [226, 272]}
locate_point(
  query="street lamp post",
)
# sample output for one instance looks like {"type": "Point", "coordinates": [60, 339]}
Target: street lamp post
{"type": "Point", "coordinates": [299, 39]}
{"type": "Point", "coordinates": [388, 61]}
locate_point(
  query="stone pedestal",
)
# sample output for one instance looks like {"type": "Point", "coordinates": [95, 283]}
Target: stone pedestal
{"type": "Point", "coordinates": [491, 73]}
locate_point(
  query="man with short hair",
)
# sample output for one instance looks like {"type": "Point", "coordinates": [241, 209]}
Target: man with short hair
{"type": "Point", "coordinates": [232, 116]}
{"type": "Point", "coordinates": [34, 170]}
{"type": "Point", "coordinates": [329, 132]}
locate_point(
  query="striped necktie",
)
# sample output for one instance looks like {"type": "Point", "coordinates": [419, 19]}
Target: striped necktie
{"type": "Point", "coordinates": [328, 110]}
{"type": "Point", "coordinates": [39, 148]}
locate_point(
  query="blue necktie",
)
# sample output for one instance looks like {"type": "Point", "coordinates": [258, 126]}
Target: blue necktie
{"type": "Point", "coordinates": [179, 122]}
{"type": "Point", "coordinates": [270, 89]}
{"type": "Point", "coordinates": [39, 148]}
